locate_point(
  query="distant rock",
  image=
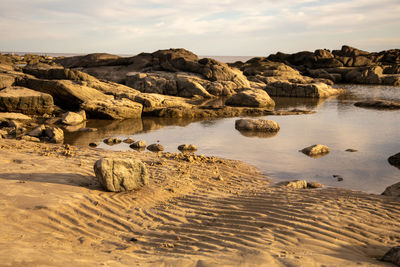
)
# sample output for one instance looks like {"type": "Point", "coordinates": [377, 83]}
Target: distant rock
{"type": "Point", "coordinates": [93, 144]}
{"type": "Point", "coordinates": [187, 147]}
{"type": "Point", "coordinates": [395, 160]}
{"type": "Point", "coordinates": [155, 147]}
{"type": "Point", "coordinates": [393, 190]}
{"type": "Point", "coordinates": [393, 256]}
{"type": "Point", "coordinates": [117, 174]}
{"type": "Point", "coordinates": [112, 141]}
{"type": "Point", "coordinates": [378, 104]}
{"type": "Point", "coordinates": [73, 118]}
{"type": "Point", "coordinates": [351, 150]}
{"type": "Point", "coordinates": [251, 98]}
{"type": "Point", "coordinates": [26, 101]}
{"type": "Point", "coordinates": [257, 125]}
{"type": "Point", "coordinates": [315, 150]}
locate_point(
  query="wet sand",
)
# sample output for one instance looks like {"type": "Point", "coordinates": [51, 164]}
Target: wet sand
{"type": "Point", "coordinates": [207, 212]}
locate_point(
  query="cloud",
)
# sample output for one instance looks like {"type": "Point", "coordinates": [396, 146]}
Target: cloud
{"type": "Point", "coordinates": [230, 26]}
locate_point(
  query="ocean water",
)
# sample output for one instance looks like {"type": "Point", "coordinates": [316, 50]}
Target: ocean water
{"type": "Point", "coordinates": [337, 123]}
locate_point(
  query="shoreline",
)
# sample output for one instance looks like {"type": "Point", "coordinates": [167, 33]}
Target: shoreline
{"type": "Point", "coordinates": [53, 212]}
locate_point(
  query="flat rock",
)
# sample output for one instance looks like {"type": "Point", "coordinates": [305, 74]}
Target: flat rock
{"type": "Point", "coordinates": [395, 160]}
{"type": "Point", "coordinates": [251, 98]}
{"type": "Point", "coordinates": [26, 101]}
{"type": "Point", "coordinates": [393, 190]}
{"type": "Point", "coordinates": [117, 174]}
{"type": "Point", "coordinates": [315, 150]}
{"type": "Point", "coordinates": [257, 125]}
{"type": "Point", "coordinates": [378, 104]}
{"type": "Point", "coordinates": [14, 116]}
{"type": "Point", "coordinates": [113, 109]}
{"type": "Point", "coordinates": [393, 256]}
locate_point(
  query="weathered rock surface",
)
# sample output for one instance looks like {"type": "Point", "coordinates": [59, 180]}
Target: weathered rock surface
{"type": "Point", "coordinates": [257, 125]}
{"type": "Point", "coordinates": [112, 109]}
{"type": "Point", "coordinates": [393, 256]}
{"type": "Point", "coordinates": [26, 101]}
{"type": "Point", "coordinates": [378, 104]}
{"type": "Point", "coordinates": [315, 150]}
{"type": "Point", "coordinates": [395, 160]}
{"type": "Point", "coordinates": [155, 147]}
{"type": "Point", "coordinates": [251, 98]}
{"type": "Point", "coordinates": [73, 118]}
{"type": "Point", "coordinates": [117, 174]}
{"type": "Point", "coordinates": [393, 190]}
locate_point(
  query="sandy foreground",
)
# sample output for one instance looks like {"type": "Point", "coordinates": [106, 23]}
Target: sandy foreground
{"type": "Point", "coordinates": [208, 212]}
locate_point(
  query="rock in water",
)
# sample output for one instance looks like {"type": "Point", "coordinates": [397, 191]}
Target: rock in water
{"type": "Point", "coordinates": [73, 118]}
{"type": "Point", "coordinates": [393, 190]}
{"type": "Point", "coordinates": [378, 104]}
{"type": "Point", "coordinates": [256, 125]}
{"type": "Point", "coordinates": [395, 160]}
{"type": "Point", "coordinates": [251, 98]}
{"type": "Point", "coordinates": [138, 144]}
{"type": "Point", "coordinates": [155, 147]}
{"type": "Point", "coordinates": [315, 150]}
{"type": "Point", "coordinates": [187, 147]}
{"type": "Point", "coordinates": [116, 174]}
{"type": "Point", "coordinates": [393, 256]}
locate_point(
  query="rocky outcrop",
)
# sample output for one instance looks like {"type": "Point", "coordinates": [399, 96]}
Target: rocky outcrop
{"type": "Point", "coordinates": [117, 174]}
{"type": "Point", "coordinates": [315, 150]}
{"type": "Point", "coordinates": [393, 190]}
{"type": "Point", "coordinates": [116, 109]}
{"type": "Point", "coordinates": [378, 104]}
{"type": "Point", "coordinates": [256, 125]}
{"type": "Point", "coordinates": [395, 160]}
{"type": "Point", "coordinates": [251, 98]}
{"type": "Point", "coordinates": [26, 101]}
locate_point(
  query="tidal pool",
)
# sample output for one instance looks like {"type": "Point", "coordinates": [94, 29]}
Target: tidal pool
{"type": "Point", "coordinates": [337, 123]}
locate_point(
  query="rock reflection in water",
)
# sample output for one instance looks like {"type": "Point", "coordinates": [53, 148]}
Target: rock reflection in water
{"type": "Point", "coordinates": [258, 134]}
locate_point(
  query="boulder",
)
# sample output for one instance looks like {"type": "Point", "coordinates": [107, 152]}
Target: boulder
{"type": "Point", "coordinates": [348, 51]}
{"type": "Point", "coordinates": [24, 100]}
{"type": "Point", "coordinates": [393, 256]}
{"type": "Point", "coordinates": [30, 138]}
{"type": "Point", "coordinates": [121, 174]}
{"type": "Point", "coordinates": [256, 125]}
{"type": "Point", "coordinates": [295, 184]}
{"type": "Point", "coordinates": [393, 190]}
{"type": "Point", "coordinates": [251, 98]}
{"type": "Point", "coordinates": [187, 147]}
{"type": "Point", "coordinates": [48, 133]}
{"type": "Point", "coordinates": [112, 109]}
{"type": "Point", "coordinates": [155, 147]}
{"type": "Point", "coordinates": [378, 104]}
{"type": "Point", "coordinates": [312, 90]}
{"type": "Point", "coordinates": [395, 160]}
{"type": "Point", "coordinates": [73, 118]}
{"type": "Point", "coordinates": [315, 150]}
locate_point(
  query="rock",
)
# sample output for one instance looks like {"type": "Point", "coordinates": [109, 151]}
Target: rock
{"type": "Point", "coordinates": [289, 89]}
{"type": "Point", "coordinates": [73, 118]}
{"type": "Point", "coordinates": [87, 130]}
{"type": "Point", "coordinates": [138, 144]}
{"type": "Point", "coordinates": [54, 134]}
{"type": "Point", "coordinates": [251, 98]}
{"type": "Point", "coordinates": [6, 80]}
{"type": "Point", "coordinates": [338, 177]}
{"type": "Point", "coordinates": [315, 150]}
{"type": "Point", "coordinates": [351, 150]}
{"type": "Point", "coordinates": [67, 94]}
{"type": "Point", "coordinates": [90, 60]}
{"type": "Point", "coordinates": [314, 185]}
{"type": "Point", "coordinates": [93, 144]}
{"type": "Point", "coordinates": [3, 134]}
{"type": "Point", "coordinates": [117, 174]}
{"type": "Point", "coordinates": [378, 104]}
{"type": "Point", "coordinates": [30, 138]}
{"type": "Point", "coordinates": [393, 190]}
{"type": "Point", "coordinates": [129, 140]}
{"type": "Point", "coordinates": [112, 141]}
{"type": "Point", "coordinates": [393, 256]}
{"type": "Point", "coordinates": [113, 109]}
{"type": "Point", "coordinates": [155, 147]}
{"type": "Point", "coordinates": [14, 116]}
{"type": "Point", "coordinates": [257, 125]}
{"type": "Point", "coordinates": [24, 100]}
{"type": "Point", "coordinates": [187, 147]}
{"type": "Point", "coordinates": [296, 184]}
{"type": "Point", "coordinates": [395, 160]}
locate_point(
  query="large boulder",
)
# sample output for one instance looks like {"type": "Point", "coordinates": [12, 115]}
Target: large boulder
{"type": "Point", "coordinates": [251, 98]}
{"type": "Point", "coordinates": [26, 101]}
{"type": "Point", "coordinates": [256, 125]}
{"type": "Point", "coordinates": [393, 190]}
{"type": "Point", "coordinates": [121, 174]}
{"type": "Point", "coordinates": [116, 109]}
{"type": "Point", "coordinates": [66, 94]}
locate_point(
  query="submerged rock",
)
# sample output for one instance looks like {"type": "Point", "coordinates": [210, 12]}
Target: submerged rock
{"type": "Point", "coordinates": [128, 140]}
{"type": "Point", "coordinates": [257, 125]}
{"type": "Point", "coordinates": [393, 190]}
{"type": "Point", "coordinates": [378, 104]}
{"type": "Point", "coordinates": [117, 174]}
{"type": "Point", "coordinates": [315, 150]}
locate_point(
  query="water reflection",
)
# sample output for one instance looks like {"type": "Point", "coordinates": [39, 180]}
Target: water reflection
{"type": "Point", "coordinates": [257, 134]}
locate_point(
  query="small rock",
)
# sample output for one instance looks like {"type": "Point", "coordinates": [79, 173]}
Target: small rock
{"type": "Point", "coordinates": [129, 140]}
{"type": "Point", "coordinates": [393, 256]}
{"type": "Point", "coordinates": [393, 190]}
{"type": "Point", "coordinates": [121, 174]}
{"type": "Point", "coordinates": [55, 135]}
{"type": "Point", "coordinates": [395, 160]}
{"type": "Point", "coordinates": [73, 118]}
{"type": "Point", "coordinates": [351, 150]}
{"type": "Point", "coordinates": [338, 177]}
{"type": "Point", "coordinates": [93, 144]}
{"type": "Point", "coordinates": [296, 184]}
{"type": "Point", "coordinates": [315, 150]}
{"type": "Point", "coordinates": [257, 125]}
{"type": "Point", "coordinates": [30, 138]}
{"type": "Point", "coordinates": [111, 141]}
{"type": "Point", "coordinates": [314, 185]}
{"type": "Point", "coordinates": [187, 147]}
{"type": "Point", "coordinates": [138, 144]}
{"type": "Point", "coordinates": [155, 147]}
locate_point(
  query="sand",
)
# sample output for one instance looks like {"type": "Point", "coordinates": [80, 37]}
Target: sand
{"type": "Point", "coordinates": [195, 212]}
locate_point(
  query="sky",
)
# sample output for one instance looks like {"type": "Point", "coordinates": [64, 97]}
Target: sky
{"type": "Point", "coordinates": [205, 27]}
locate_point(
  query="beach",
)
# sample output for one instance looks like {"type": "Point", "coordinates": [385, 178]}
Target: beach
{"type": "Point", "coordinates": [198, 211]}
